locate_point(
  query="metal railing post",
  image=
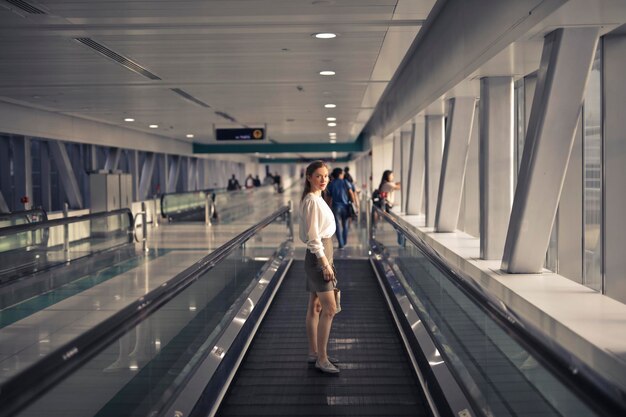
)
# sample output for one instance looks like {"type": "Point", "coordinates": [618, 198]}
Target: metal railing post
{"type": "Point", "coordinates": [66, 232]}
{"type": "Point", "coordinates": [144, 226]}
{"type": "Point", "coordinates": [290, 220]}
{"type": "Point", "coordinates": [155, 215]}
{"type": "Point", "coordinates": [207, 209]}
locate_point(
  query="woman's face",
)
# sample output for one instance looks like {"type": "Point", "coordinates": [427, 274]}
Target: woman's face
{"type": "Point", "coordinates": [390, 176]}
{"type": "Point", "coordinates": [319, 179]}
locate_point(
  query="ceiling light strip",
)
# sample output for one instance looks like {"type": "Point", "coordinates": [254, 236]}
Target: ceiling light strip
{"type": "Point", "coordinates": [28, 8]}
{"type": "Point", "coordinates": [189, 97]}
{"type": "Point", "coordinates": [125, 62]}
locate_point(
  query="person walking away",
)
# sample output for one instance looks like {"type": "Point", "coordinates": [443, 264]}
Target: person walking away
{"type": "Point", "coordinates": [249, 181]}
{"type": "Point", "coordinates": [355, 193]}
{"type": "Point", "coordinates": [317, 227]}
{"type": "Point", "coordinates": [278, 183]}
{"type": "Point", "coordinates": [347, 175]}
{"type": "Point", "coordinates": [233, 184]}
{"type": "Point", "coordinates": [341, 194]}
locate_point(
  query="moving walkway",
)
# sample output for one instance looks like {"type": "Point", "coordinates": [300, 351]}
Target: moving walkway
{"type": "Point", "coordinates": [226, 337]}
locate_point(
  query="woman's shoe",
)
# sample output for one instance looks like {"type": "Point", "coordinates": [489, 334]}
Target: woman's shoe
{"type": "Point", "coordinates": [313, 358]}
{"type": "Point", "coordinates": [327, 367]}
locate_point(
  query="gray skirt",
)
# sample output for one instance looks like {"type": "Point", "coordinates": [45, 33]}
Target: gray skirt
{"type": "Point", "coordinates": [313, 269]}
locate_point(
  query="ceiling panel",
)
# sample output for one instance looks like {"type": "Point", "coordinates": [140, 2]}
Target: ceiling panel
{"type": "Point", "coordinates": [254, 60]}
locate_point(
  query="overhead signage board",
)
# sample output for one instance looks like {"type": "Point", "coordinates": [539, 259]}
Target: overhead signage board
{"type": "Point", "coordinates": [240, 134]}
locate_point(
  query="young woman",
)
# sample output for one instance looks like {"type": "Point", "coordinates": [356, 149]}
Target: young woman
{"type": "Point", "coordinates": [317, 226]}
{"type": "Point", "coordinates": [387, 187]}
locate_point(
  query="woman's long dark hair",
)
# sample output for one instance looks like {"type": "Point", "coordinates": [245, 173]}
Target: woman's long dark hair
{"type": "Point", "coordinates": [385, 178]}
{"type": "Point", "coordinates": [313, 166]}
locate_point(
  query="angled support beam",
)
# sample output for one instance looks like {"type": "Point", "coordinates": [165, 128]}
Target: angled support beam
{"type": "Point", "coordinates": [433, 148]}
{"type": "Point", "coordinates": [565, 65]}
{"type": "Point", "coordinates": [113, 159]}
{"type": "Point", "coordinates": [146, 176]}
{"type": "Point", "coordinates": [458, 134]}
{"type": "Point", "coordinates": [172, 177]}
{"type": "Point", "coordinates": [4, 208]}
{"type": "Point", "coordinates": [66, 174]}
{"type": "Point", "coordinates": [405, 138]}
{"type": "Point", "coordinates": [496, 163]}
{"type": "Point", "coordinates": [415, 180]}
{"type": "Point", "coordinates": [397, 168]}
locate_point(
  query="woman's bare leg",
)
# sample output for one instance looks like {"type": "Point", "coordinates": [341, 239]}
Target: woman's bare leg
{"type": "Point", "coordinates": [312, 321]}
{"type": "Point", "coordinates": [329, 309]}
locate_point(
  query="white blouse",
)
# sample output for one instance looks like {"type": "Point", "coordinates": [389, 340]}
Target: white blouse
{"type": "Point", "coordinates": [317, 222]}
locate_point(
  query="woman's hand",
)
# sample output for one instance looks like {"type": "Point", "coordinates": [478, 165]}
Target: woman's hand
{"type": "Point", "coordinates": [328, 272]}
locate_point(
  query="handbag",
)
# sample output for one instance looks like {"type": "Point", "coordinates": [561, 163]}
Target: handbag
{"type": "Point", "coordinates": [337, 293]}
{"type": "Point", "coordinates": [352, 211]}
{"type": "Point", "coordinates": [354, 215]}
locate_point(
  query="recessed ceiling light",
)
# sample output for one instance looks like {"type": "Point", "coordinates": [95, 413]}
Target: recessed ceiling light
{"type": "Point", "coordinates": [327, 72]}
{"type": "Point", "coordinates": [153, 126]}
{"type": "Point", "coordinates": [334, 154]}
{"type": "Point", "coordinates": [325, 35]}
{"type": "Point", "coordinates": [333, 141]}
{"type": "Point", "coordinates": [129, 119]}
{"type": "Point", "coordinates": [332, 124]}
{"type": "Point", "coordinates": [331, 119]}
{"type": "Point", "coordinates": [190, 135]}
{"type": "Point", "coordinates": [330, 106]}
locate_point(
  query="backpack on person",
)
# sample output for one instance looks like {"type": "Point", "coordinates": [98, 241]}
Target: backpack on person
{"type": "Point", "coordinates": [378, 199]}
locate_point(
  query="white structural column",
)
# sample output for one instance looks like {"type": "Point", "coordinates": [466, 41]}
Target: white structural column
{"type": "Point", "coordinates": [565, 64]}
{"type": "Point", "coordinates": [496, 163]}
{"type": "Point", "coordinates": [458, 134]}
{"type": "Point", "coordinates": [615, 165]}
{"type": "Point", "coordinates": [46, 183]}
{"type": "Point", "coordinates": [397, 168]}
{"type": "Point", "coordinates": [172, 176]}
{"type": "Point", "coordinates": [23, 172]}
{"type": "Point", "coordinates": [146, 176]}
{"type": "Point", "coordinates": [5, 174]}
{"type": "Point", "coordinates": [4, 208]}
{"type": "Point", "coordinates": [66, 174]}
{"type": "Point", "coordinates": [405, 144]}
{"type": "Point", "coordinates": [433, 149]}
{"type": "Point", "coordinates": [415, 181]}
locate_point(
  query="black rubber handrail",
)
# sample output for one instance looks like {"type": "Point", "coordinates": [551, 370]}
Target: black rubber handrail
{"type": "Point", "coordinates": [25, 387]}
{"type": "Point", "coordinates": [20, 228]}
{"type": "Point", "coordinates": [599, 392]}
{"type": "Point", "coordinates": [25, 213]}
{"type": "Point", "coordinates": [211, 191]}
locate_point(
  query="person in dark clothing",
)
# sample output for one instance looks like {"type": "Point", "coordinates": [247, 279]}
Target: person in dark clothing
{"type": "Point", "coordinates": [233, 184]}
{"type": "Point", "coordinates": [340, 192]}
{"type": "Point", "coordinates": [257, 181]}
{"type": "Point", "coordinates": [347, 176]}
{"type": "Point", "coordinates": [278, 183]}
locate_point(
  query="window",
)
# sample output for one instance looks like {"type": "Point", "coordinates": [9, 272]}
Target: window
{"type": "Point", "coordinates": [592, 177]}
